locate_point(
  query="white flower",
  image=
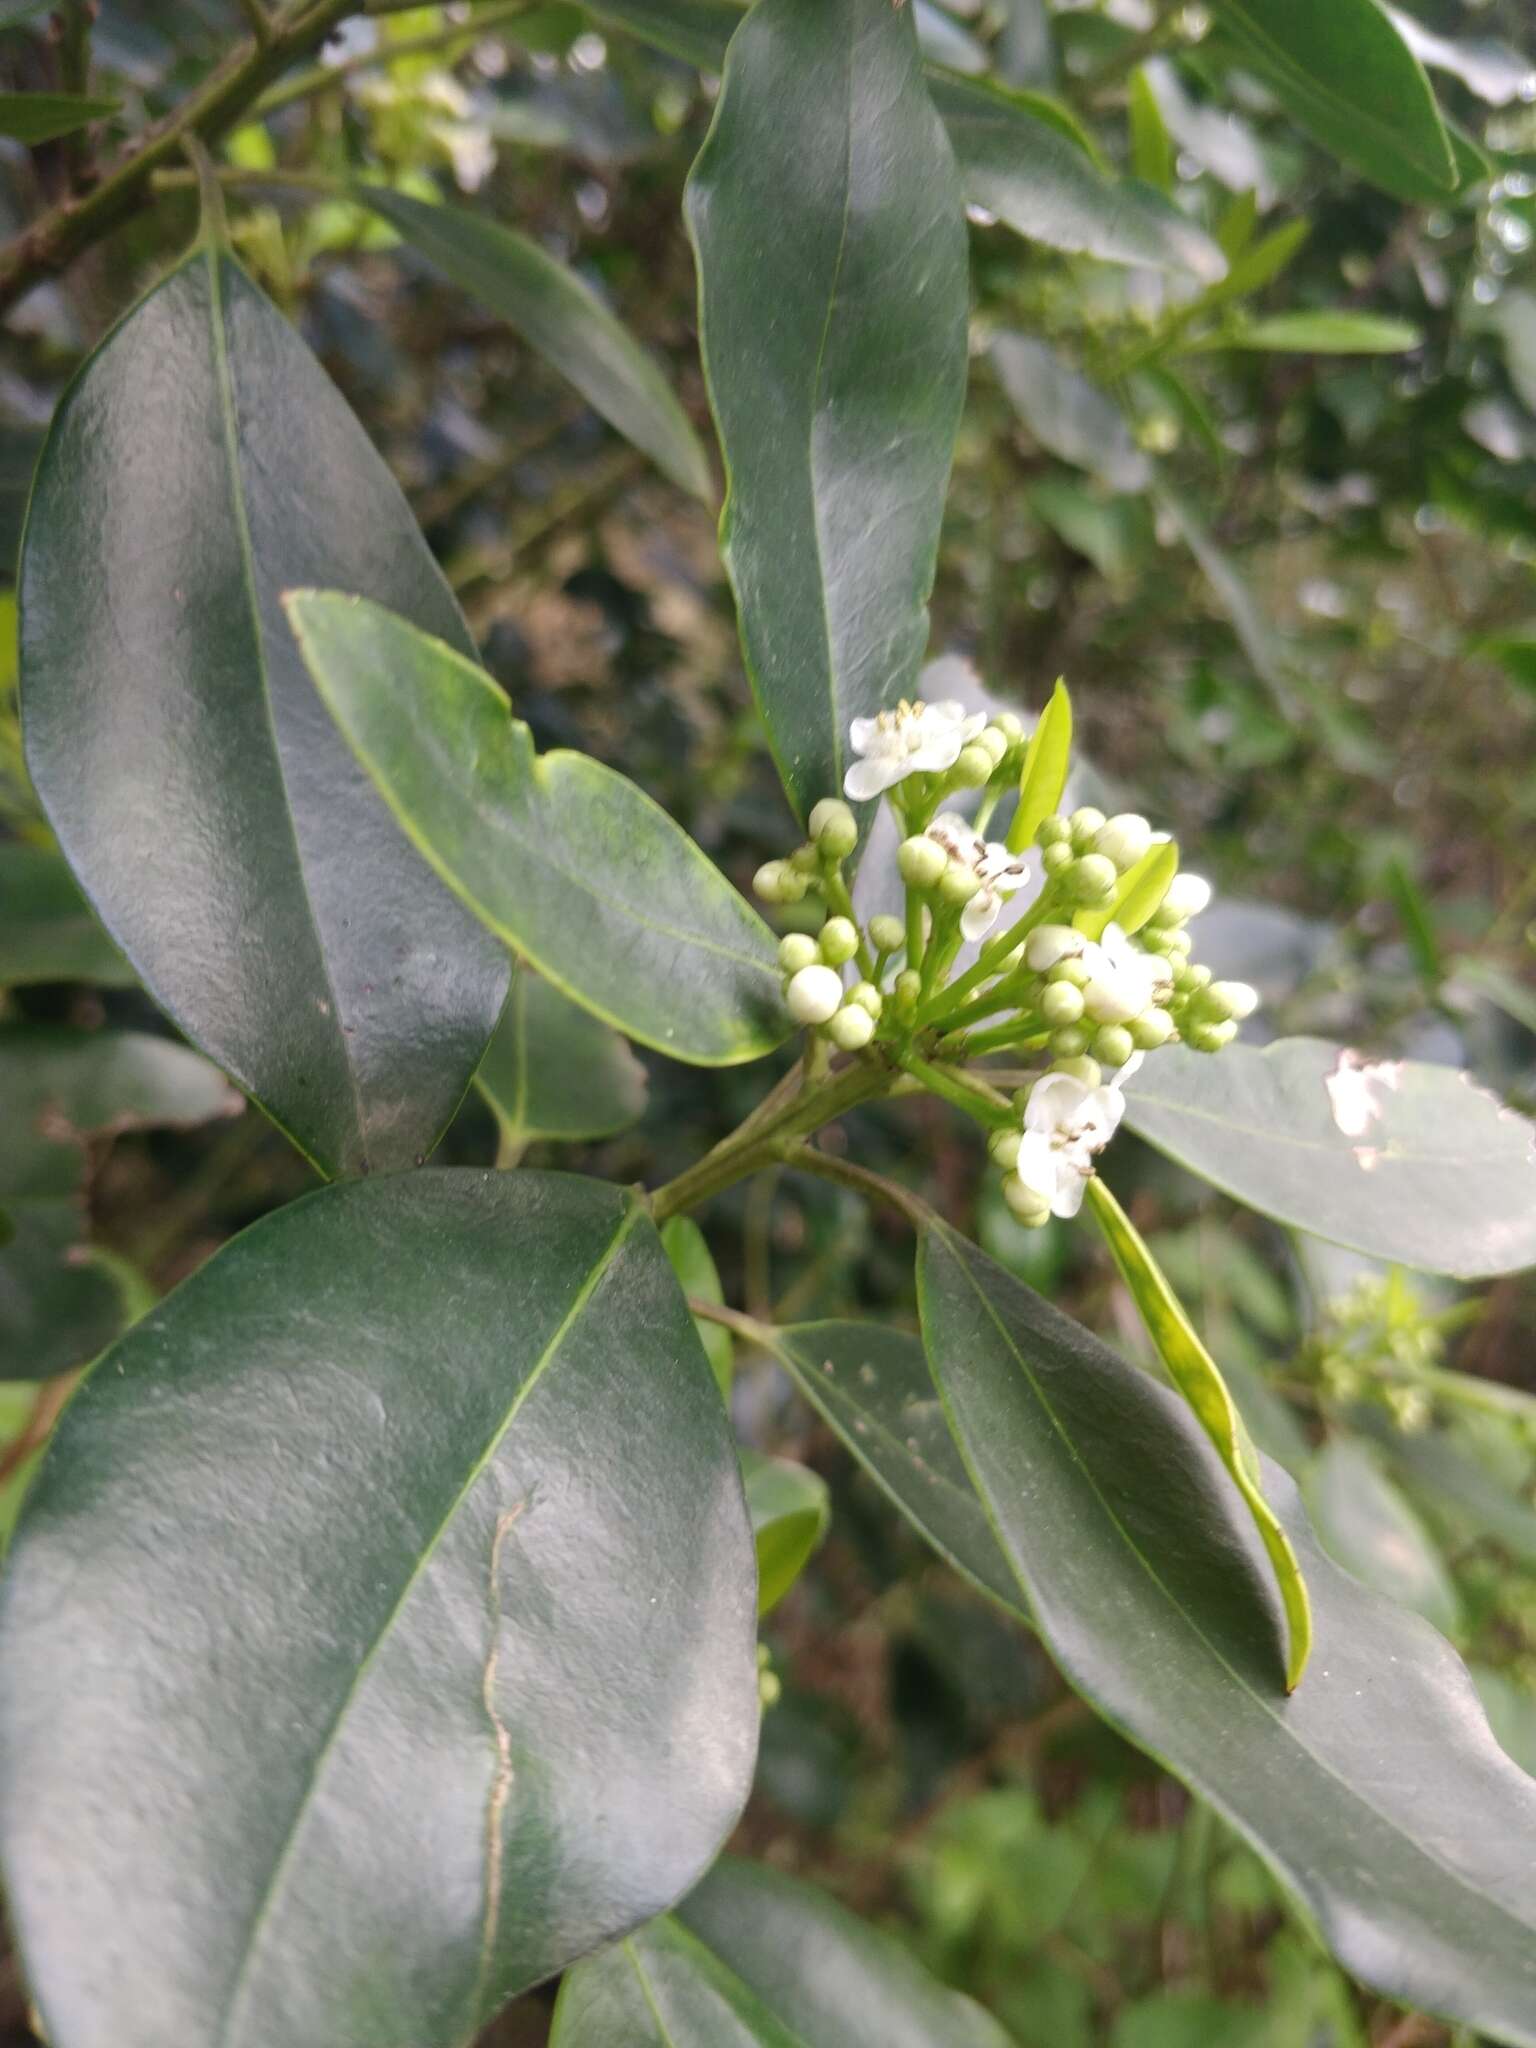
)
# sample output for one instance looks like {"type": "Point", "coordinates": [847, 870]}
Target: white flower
{"type": "Point", "coordinates": [1187, 896]}
{"type": "Point", "coordinates": [1066, 1125]}
{"type": "Point", "coordinates": [814, 994]}
{"type": "Point", "coordinates": [999, 871]}
{"type": "Point", "coordinates": [913, 739]}
{"type": "Point", "coordinates": [1122, 979]}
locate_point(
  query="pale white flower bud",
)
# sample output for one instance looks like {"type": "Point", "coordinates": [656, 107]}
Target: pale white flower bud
{"type": "Point", "coordinates": [1234, 999]}
{"type": "Point", "coordinates": [1084, 826]}
{"type": "Point", "coordinates": [992, 743]}
{"type": "Point", "coordinates": [1081, 1069]}
{"type": "Point", "coordinates": [1124, 840]}
{"type": "Point", "coordinates": [868, 997]}
{"type": "Point", "coordinates": [922, 862]}
{"type": "Point", "coordinates": [797, 950]}
{"type": "Point", "coordinates": [834, 827]}
{"type": "Point", "coordinates": [1108, 1001]}
{"type": "Point", "coordinates": [839, 940]}
{"type": "Point", "coordinates": [814, 995]}
{"type": "Point", "coordinates": [887, 934]}
{"type": "Point", "coordinates": [1188, 894]}
{"type": "Point", "coordinates": [852, 1028]}
{"type": "Point", "coordinates": [1048, 943]}
{"type": "Point", "coordinates": [974, 766]}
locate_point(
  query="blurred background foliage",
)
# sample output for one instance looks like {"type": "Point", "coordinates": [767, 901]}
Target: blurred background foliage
{"type": "Point", "coordinates": [1278, 531]}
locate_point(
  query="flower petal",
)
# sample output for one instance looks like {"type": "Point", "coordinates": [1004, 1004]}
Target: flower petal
{"type": "Point", "coordinates": [979, 915]}
{"type": "Point", "coordinates": [867, 778]}
{"type": "Point", "coordinates": [861, 733]}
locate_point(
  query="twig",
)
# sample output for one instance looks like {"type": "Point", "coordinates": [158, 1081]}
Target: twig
{"type": "Point", "coordinates": [47, 1406]}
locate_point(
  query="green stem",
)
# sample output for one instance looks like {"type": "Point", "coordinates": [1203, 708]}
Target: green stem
{"type": "Point", "coordinates": [210, 110]}
{"type": "Point", "coordinates": [749, 1148]}
{"type": "Point", "coordinates": [993, 953]}
{"type": "Point", "coordinates": [1001, 1038]}
{"type": "Point", "coordinates": [806, 1159]}
{"type": "Point", "coordinates": [915, 907]}
{"type": "Point", "coordinates": [839, 900]}
{"type": "Point", "coordinates": [975, 1099]}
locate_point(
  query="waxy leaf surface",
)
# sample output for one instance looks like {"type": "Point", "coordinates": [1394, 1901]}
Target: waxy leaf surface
{"type": "Point", "coordinates": [826, 213]}
{"type": "Point", "coordinates": [1403, 1160]}
{"type": "Point", "coordinates": [1375, 1791]}
{"type": "Point", "coordinates": [379, 1633]}
{"type": "Point", "coordinates": [200, 465]}
{"type": "Point", "coordinates": [564, 859]}
{"type": "Point", "coordinates": [753, 1959]}
{"type": "Point", "coordinates": [554, 1071]}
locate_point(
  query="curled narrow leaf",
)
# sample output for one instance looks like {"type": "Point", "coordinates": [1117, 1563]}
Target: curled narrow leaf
{"type": "Point", "coordinates": [1194, 1372]}
{"type": "Point", "coordinates": [562, 317]}
{"type": "Point", "coordinates": [1403, 1160]}
{"type": "Point", "coordinates": [1375, 1792]}
{"type": "Point", "coordinates": [564, 859]}
{"type": "Point", "coordinates": [827, 217]}
{"type": "Point", "coordinates": [200, 464]}
{"type": "Point", "coordinates": [1043, 777]}
{"type": "Point", "coordinates": [399, 1421]}
{"type": "Point", "coordinates": [1325, 333]}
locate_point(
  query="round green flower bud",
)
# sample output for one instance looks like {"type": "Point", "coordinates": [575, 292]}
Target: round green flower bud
{"type": "Point", "coordinates": [1004, 1148]}
{"type": "Point", "coordinates": [1090, 878]}
{"type": "Point", "coordinates": [1073, 970]}
{"type": "Point", "coordinates": [909, 987]}
{"type": "Point", "coordinates": [888, 934]}
{"type": "Point", "coordinates": [797, 950]}
{"type": "Point", "coordinates": [868, 997]}
{"type": "Point", "coordinates": [994, 744]}
{"type": "Point", "coordinates": [1190, 980]}
{"type": "Point", "coordinates": [814, 995]}
{"type": "Point", "coordinates": [1053, 831]}
{"type": "Point", "coordinates": [1230, 999]}
{"type": "Point", "coordinates": [922, 862]}
{"type": "Point", "coordinates": [1084, 825]}
{"type": "Point", "coordinates": [1030, 1208]}
{"type": "Point", "coordinates": [959, 883]}
{"type": "Point", "coordinates": [852, 1028]}
{"type": "Point", "coordinates": [1010, 725]}
{"type": "Point", "coordinates": [1049, 943]}
{"type": "Point", "coordinates": [805, 860]}
{"type": "Point", "coordinates": [1113, 1045]}
{"type": "Point", "coordinates": [974, 766]}
{"type": "Point", "coordinates": [1210, 1037]}
{"type": "Point", "coordinates": [1085, 1070]}
{"type": "Point", "coordinates": [777, 882]}
{"type": "Point", "coordinates": [839, 940]}
{"type": "Point", "coordinates": [834, 827]}
{"type": "Point", "coordinates": [1151, 1029]}
{"type": "Point", "coordinates": [1057, 857]}
{"type": "Point", "coordinates": [1061, 1003]}
{"type": "Point", "coordinates": [1124, 840]}
{"type": "Point", "coordinates": [1070, 1042]}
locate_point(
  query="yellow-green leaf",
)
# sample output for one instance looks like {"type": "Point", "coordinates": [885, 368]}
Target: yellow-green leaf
{"type": "Point", "coordinates": [1044, 775]}
{"type": "Point", "coordinates": [1140, 891]}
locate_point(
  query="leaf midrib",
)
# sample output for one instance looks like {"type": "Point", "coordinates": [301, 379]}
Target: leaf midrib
{"type": "Point", "coordinates": [581, 1301]}
{"type": "Point", "coordinates": [1237, 1820]}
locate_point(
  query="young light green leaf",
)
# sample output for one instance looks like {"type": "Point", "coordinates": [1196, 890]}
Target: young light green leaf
{"type": "Point", "coordinates": [47, 929]}
{"type": "Point", "coordinates": [155, 658]}
{"type": "Point", "coordinates": [398, 1420]}
{"type": "Point", "coordinates": [693, 1263]}
{"type": "Point", "coordinates": [1324, 333]}
{"type": "Point", "coordinates": [827, 217]}
{"type": "Point", "coordinates": [754, 1959]}
{"type": "Point", "coordinates": [1375, 1791]}
{"type": "Point", "coordinates": [558, 314]}
{"type": "Point", "coordinates": [553, 1071]}
{"type": "Point", "coordinates": [564, 859]}
{"type": "Point", "coordinates": [1152, 151]}
{"type": "Point", "coordinates": [789, 1509]}
{"type": "Point", "coordinates": [1406, 1161]}
{"type": "Point", "coordinates": [1366, 1525]}
{"type": "Point", "coordinates": [1194, 1372]}
{"type": "Point", "coordinates": [1017, 163]}
{"type": "Point", "coordinates": [1345, 75]}
{"type": "Point", "coordinates": [1140, 890]}
{"type": "Point", "coordinates": [34, 117]}
{"type": "Point", "coordinates": [1043, 778]}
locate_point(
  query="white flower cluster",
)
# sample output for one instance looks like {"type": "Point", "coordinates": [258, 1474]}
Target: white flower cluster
{"type": "Point", "coordinates": [1091, 976]}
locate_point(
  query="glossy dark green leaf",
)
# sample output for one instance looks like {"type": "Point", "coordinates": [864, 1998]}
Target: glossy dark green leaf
{"type": "Point", "coordinates": [1366, 1525]}
{"type": "Point", "coordinates": [1067, 414]}
{"type": "Point", "coordinates": [34, 117]}
{"type": "Point", "coordinates": [694, 1264]}
{"type": "Point", "coordinates": [753, 1959]}
{"type": "Point", "coordinates": [553, 1071]}
{"type": "Point", "coordinates": [558, 314]}
{"type": "Point", "coordinates": [1375, 1791]}
{"type": "Point", "coordinates": [1405, 1161]}
{"type": "Point", "coordinates": [563, 858]}
{"type": "Point", "coordinates": [379, 1631]}
{"type": "Point", "coordinates": [200, 465]}
{"type": "Point", "coordinates": [1345, 75]}
{"type": "Point", "coordinates": [1324, 333]}
{"type": "Point", "coordinates": [826, 214]}
{"type": "Point", "coordinates": [1036, 181]}
{"type": "Point", "coordinates": [789, 1508]}
{"type": "Point", "coordinates": [48, 931]}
